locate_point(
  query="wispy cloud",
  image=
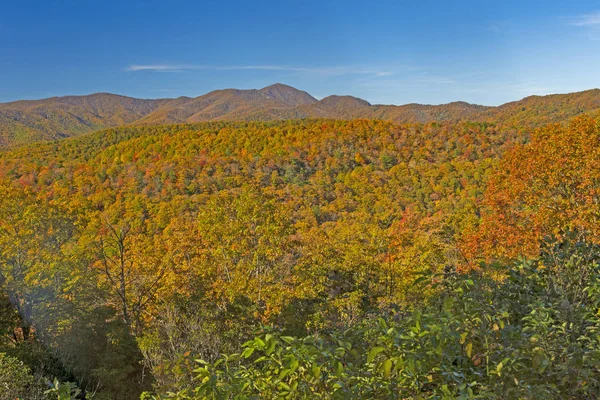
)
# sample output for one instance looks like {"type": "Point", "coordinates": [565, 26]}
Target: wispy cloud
{"type": "Point", "coordinates": [325, 71]}
{"type": "Point", "coordinates": [159, 68]}
{"type": "Point", "coordinates": [586, 20]}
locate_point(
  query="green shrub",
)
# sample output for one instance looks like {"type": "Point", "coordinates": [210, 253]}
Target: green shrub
{"type": "Point", "coordinates": [17, 382]}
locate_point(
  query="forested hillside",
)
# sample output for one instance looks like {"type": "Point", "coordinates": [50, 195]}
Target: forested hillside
{"type": "Point", "coordinates": [307, 258]}
{"type": "Point", "coordinates": [24, 122]}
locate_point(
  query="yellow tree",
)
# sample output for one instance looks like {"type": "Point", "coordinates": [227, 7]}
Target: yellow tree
{"type": "Point", "coordinates": [133, 269]}
{"type": "Point", "coordinates": [33, 238]}
{"type": "Point", "coordinates": [247, 241]}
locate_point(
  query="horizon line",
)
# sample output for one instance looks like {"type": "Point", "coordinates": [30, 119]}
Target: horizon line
{"type": "Point", "coordinates": [278, 83]}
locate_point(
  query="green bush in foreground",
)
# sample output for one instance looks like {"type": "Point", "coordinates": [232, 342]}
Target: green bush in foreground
{"type": "Point", "coordinates": [17, 381]}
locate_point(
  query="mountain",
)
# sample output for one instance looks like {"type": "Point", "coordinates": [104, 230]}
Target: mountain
{"type": "Point", "coordinates": [229, 104]}
{"type": "Point", "coordinates": [288, 95]}
{"type": "Point", "coordinates": [342, 106]}
{"type": "Point", "coordinates": [58, 117]}
{"type": "Point", "coordinates": [546, 109]}
{"type": "Point", "coordinates": [451, 112]}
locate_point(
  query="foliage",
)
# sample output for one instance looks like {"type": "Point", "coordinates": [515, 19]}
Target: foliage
{"type": "Point", "coordinates": [128, 253]}
{"type": "Point", "coordinates": [548, 187]}
{"type": "Point", "coordinates": [63, 391]}
{"type": "Point", "coordinates": [16, 380]}
{"type": "Point", "coordinates": [532, 336]}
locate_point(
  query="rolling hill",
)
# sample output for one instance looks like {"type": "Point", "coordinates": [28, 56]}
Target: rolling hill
{"type": "Point", "coordinates": [24, 122]}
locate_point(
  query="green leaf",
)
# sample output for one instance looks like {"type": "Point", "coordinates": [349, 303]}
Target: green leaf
{"type": "Point", "coordinates": [247, 352]}
{"type": "Point", "coordinates": [387, 368]}
{"type": "Point", "coordinates": [373, 353]}
{"type": "Point", "coordinates": [339, 368]}
{"type": "Point", "coordinates": [271, 343]}
{"type": "Point", "coordinates": [294, 366]}
{"type": "Point", "coordinates": [288, 339]}
{"type": "Point", "coordinates": [316, 371]}
{"type": "Point", "coordinates": [469, 349]}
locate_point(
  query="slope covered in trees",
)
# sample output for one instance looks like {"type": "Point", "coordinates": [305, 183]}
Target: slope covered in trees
{"type": "Point", "coordinates": [133, 251]}
{"type": "Point", "coordinates": [24, 122]}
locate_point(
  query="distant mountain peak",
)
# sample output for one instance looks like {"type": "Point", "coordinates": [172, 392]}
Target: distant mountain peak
{"type": "Point", "coordinates": [344, 100]}
{"type": "Point", "coordinates": [287, 95]}
{"type": "Point", "coordinates": [278, 85]}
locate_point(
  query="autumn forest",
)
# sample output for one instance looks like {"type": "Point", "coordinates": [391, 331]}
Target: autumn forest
{"type": "Point", "coordinates": [343, 257]}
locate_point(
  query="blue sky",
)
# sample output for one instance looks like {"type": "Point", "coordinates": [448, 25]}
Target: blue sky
{"type": "Point", "coordinates": [397, 52]}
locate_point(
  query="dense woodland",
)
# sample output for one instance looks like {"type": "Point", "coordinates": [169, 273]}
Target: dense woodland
{"type": "Point", "coordinates": [304, 259]}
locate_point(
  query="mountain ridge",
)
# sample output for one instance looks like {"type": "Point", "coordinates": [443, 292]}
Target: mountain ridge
{"type": "Point", "coordinates": [26, 121]}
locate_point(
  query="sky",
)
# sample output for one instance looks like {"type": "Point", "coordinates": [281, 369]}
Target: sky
{"type": "Point", "coordinates": [386, 52]}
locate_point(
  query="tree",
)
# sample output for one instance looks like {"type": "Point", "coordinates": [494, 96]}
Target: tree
{"type": "Point", "coordinates": [247, 248]}
{"type": "Point", "coordinates": [132, 274]}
